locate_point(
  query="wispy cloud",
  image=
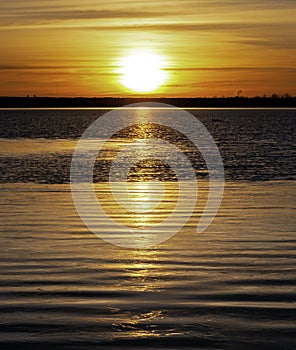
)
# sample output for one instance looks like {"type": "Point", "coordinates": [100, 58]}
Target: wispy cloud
{"type": "Point", "coordinates": [228, 69]}
{"type": "Point", "coordinates": [158, 26]}
{"type": "Point", "coordinates": [191, 26]}
{"type": "Point", "coordinates": [31, 13]}
{"type": "Point", "coordinates": [54, 66]}
{"type": "Point", "coordinates": [280, 42]}
{"type": "Point", "coordinates": [171, 69]}
{"type": "Point", "coordinates": [38, 18]}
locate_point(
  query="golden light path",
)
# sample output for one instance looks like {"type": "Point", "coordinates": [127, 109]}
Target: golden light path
{"type": "Point", "coordinates": [143, 71]}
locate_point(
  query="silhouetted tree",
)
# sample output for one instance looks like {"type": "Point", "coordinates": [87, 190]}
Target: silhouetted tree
{"type": "Point", "coordinates": [239, 93]}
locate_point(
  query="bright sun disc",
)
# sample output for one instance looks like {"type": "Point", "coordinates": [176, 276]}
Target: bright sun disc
{"type": "Point", "coordinates": [142, 72]}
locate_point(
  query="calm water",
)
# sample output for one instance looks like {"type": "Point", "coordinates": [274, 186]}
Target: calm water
{"type": "Point", "coordinates": [231, 287]}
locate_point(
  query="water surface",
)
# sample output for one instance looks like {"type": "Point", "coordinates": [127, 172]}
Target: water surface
{"type": "Point", "coordinates": [231, 287]}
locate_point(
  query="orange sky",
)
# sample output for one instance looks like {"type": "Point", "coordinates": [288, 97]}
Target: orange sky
{"type": "Point", "coordinates": [211, 47]}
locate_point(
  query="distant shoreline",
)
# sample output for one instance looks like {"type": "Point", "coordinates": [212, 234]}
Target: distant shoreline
{"type": "Point", "coordinates": [214, 102]}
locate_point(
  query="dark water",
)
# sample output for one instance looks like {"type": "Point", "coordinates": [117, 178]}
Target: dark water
{"type": "Point", "coordinates": [228, 288]}
{"type": "Point", "coordinates": [255, 144]}
{"type": "Point", "coordinates": [231, 287]}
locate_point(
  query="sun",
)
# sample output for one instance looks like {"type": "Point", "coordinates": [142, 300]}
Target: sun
{"type": "Point", "coordinates": [143, 71]}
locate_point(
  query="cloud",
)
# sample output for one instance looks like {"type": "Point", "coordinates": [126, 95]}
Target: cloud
{"type": "Point", "coordinates": [110, 69]}
{"type": "Point", "coordinates": [241, 5]}
{"type": "Point", "coordinates": [191, 26]}
{"type": "Point", "coordinates": [242, 68]}
{"type": "Point", "coordinates": [32, 13]}
{"type": "Point", "coordinates": [38, 18]}
{"type": "Point", "coordinates": [53, 67]}
{"type": "Point", "coordinates": [281, 42]}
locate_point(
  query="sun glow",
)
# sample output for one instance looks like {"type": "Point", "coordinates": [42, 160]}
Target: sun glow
{"type": "Point", "coordinates": [143, 71]}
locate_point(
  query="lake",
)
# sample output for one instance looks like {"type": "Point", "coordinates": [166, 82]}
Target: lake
{"type": "Point", "coordinates": [230, 287]}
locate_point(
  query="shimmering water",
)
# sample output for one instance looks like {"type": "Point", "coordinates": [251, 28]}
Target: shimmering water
{"type": "Point", "coordinates": [255, 145]}
{"type": "Point", "coordinates": [231, 287]}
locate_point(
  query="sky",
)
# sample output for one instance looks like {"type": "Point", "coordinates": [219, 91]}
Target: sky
{"type": "Point", "coordinates": [209, 47]}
